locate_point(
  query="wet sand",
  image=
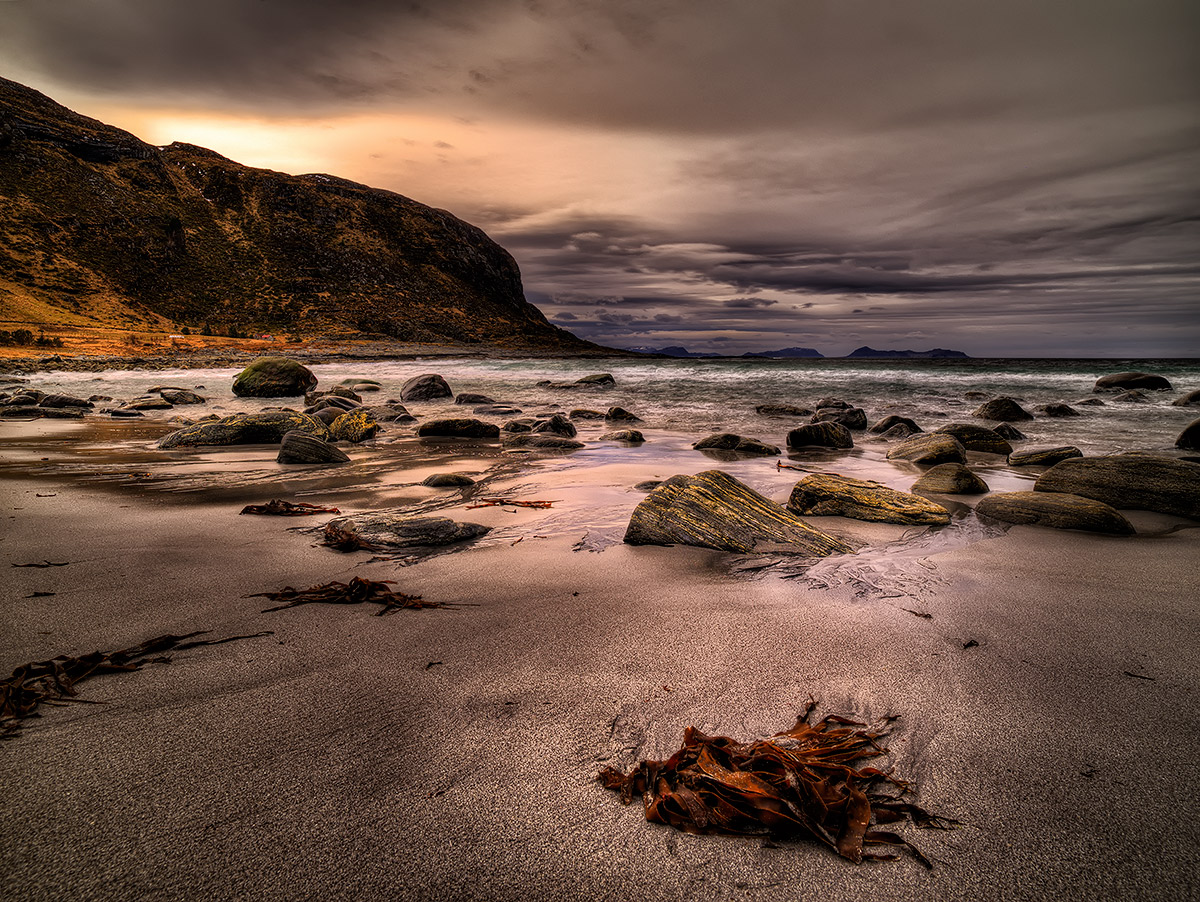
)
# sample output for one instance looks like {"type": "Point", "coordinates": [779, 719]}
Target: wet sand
{"type": "Point", "coordinates": [451, 753]}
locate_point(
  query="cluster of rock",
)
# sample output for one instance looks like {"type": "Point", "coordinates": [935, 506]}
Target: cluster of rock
{"type": "Point", "coordinates": [31, 403]}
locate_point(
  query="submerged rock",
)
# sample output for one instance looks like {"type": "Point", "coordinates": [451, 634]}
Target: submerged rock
{"type": "Point", "coordinates": [782, 410]}
{"type": "Point", "coordinates": [301, 448]}
{"type": "Point", "coordinates": [1040, 457]}
{"type": "Point", "coordinates": [950, 479]}
{"type": "Point", "coordinates": [1133, 396]}
{"type": "Point", "coordinates": [714, 510]}
{"type": "Point", "coordinates": [447, 480]}
{"type": "Point", "coordinates": [728, 441]}
{"type": "Point", "coordinates": [1119, 381]}
{"type": "Point", "coordinates": [820, 435]}
{"type": "Point", "coordinates": [1129, 481]}
{"type": "Point", "coordinates": [976, 438]}
{"type": "Point", "coordinates": [831, 495]}
{"type": "Point", "coordinates": [629, 436]}
{"type": "Point", "coordinates": [467, 397]}
{"type": "Point", "coordinates": [540, 441]}
{"type": "Point", "coordinates": [597, 379]}
{"type": "Point", "coordinates": [620, 414]}
{"type": "Point", "coordinates": [274, 377]}
{"type": "Point", "coordinates": [388, 529]}
{"type": "Point", "coordinates": [458, 427]}
{"type": "Point", "coordinates": [582, 413]}
{"type": "Point", "coordinates": [1057, 410]}
{"type": "Point", "coordinates": [354, 426]}
{"type": "Point", "coordinates": [1004, 409]}
{"type": "Point", "coordinates": [265, 428]}
{"type": "Point", "coordinates": [1009, 431]}
{"type": "Point", "coordinates": [929, 448]}
{"type": "Point", "coordinates": [148, 403]}
{"type": "Point", "coordinates": [390, 413]}
{"type": "Point", "coordinates": [1055, 510]}
{"type": "Point", "coordinates": [426, 387]}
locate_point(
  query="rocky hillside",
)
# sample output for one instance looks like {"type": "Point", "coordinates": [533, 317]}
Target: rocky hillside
{"type": "Point", "coordinates": [101, 228]}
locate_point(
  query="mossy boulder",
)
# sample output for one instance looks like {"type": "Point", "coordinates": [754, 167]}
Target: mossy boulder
{"type": "Point", "coordinates": [1129, 482]}
{"type": "Point", "coordinates": [267, 427]}
{"type": "Point", "coordinates": [714, 510]}
{"type": "Point", "coordinates": [976, 438]}
{"type": "Point", "coordinates": [1043, 457]}
{"type": "Point", "coordinates": [274, 377]}
{"type": "Point", "coordinates": [929, 448]}
{"type": "Point", "coordinates": [1055, 510]}
{"type": "Point", "coordinates": [950, 479]}
{"type": "Point", "coordinates": [831, 495]}
{"type": "Point", "coordinates": [354, 426]}
{"type": "Point", "coordinates": [820, 435]}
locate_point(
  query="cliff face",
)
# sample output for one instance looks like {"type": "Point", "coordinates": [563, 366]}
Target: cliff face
{"type": "Point", "coordinates": [102, 227]}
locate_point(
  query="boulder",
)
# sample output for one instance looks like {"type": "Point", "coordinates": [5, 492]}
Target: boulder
{"type": "Point", "coordinates": [834, 403]}
{"type": "Point", "coordinates": [950, 479]}
{"type": "Point", "coordinates": [1189, 439]}
{"type": "Point", "coordinates": [181, 396]}
{"type": "Point", "coordinates": [1057, 410]}
{"type": "Point", "coordinates": [1121, 381]}
{"type": "Point", "coordinates": [648, 485]}
{"type": "Point", "coordinates": [298, 447]}
{"type": "Point", "coordinates": [714, 510]}
{"type": "Point", "coordinates": [427, 387]}
{"type": "Point", "coordinates": [1191, 399]}
{"type": "Point", "coordinates": [831, 495]}
{"type": "Point", "coordinates": [525, 424]}
{"type": "Point", "coordinates": [325, 414]}
{"type": "Point", "coordinates": [447, 480]}
{"type": "Point", "coordinates": [820, 435]}
{"type": "Point", "coordinates": [61, 401]}
{"type": "Point", "coordinates": [929, 448]}
{"type": "Point", "coordinates": [581, 413]}
{"type": "Point", "coordinates": [1009, 431]}
{"type": "Point", "coordinates": [889, 422]}
{"type": "Point", "coordinates": [1004, 409]}
{"type": "Point", "coordinates": [727, 441]}
{"type": "Point", "coordinates": [389, 529]}
{"type": "Point", "coordinates": [1043, 457]}
{"type": "Point", "coordinates": [541, 442]}
{"type": "Point", "coordinates": [267, 427]}
{"type": "Point", "coordinates": [556, 425]}
{"type": "Point", "coordinates": [620, 414]}
{"type": "Point", "coordinates": [597, 379]}
{"type": "Point", "coordinates": [354, 426]}
{"type": "Point", "coordinates": [1129, 481]}
{"type": "Point", "coordinates": [629, 436]}
{"type": "Point", "coordinates": [976, 438]}
{"type": "Point", "coordinates": [467, 397]}
{"type": "Point", "coordinates": [899, 432]}
{"type": "Point", "coordinates": [325, 400]}
{"type": "Point", "coordinates": [274, 377]}
{"type": "Point", "coordinates": [458, 427]}
{"type": "Point", "coordinates": [782, 411]}
{"type": "Point", "coordinates": [1059, 511]}
{"type": "Point", "coordinates": [850, 417]}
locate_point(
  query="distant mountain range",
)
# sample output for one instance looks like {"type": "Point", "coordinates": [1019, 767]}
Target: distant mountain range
{"type": "Point", "coordinates": [863, 352]}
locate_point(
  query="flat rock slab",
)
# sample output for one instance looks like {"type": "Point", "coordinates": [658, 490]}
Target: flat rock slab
{"type": "Point", "coordinates": [950, 479]}
{"type": "Point", "coordinates": [820, 435]}
{"type": "Point", "coordinates": [1129, 482]}
{"type": "Point", "coordinates": [1043, 457]}
{"type": "Point", "coordinates": [976, 438]}
{"type": "Point", "coordinates": [274, 377]}
{"type": "Point", "coordinates": [714, 510]}
{"type": "Point", "coordinates": [831, 495]}
{"type": "Point", "coordinates": [265, 428]}
{"type": "Point", "coordinates": [929, 448]}
{"type": "Point", "coordinates": [1055, 510]}
{"type": "Point", "coordinates": [393, 529]}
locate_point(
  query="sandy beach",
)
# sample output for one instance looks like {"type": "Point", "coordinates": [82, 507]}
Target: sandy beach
{"type": "Point", "coordinates": [1048, 701]}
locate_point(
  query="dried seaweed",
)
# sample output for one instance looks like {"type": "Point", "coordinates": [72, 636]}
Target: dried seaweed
{"type": "Point", "coordinates": [508, 502]}
{"type": "Point", "coordinates": [44, 564]}
{"type": "Point", "coordinates": [806, 782]}
{"type": "Point", "coordinates": [279, 508]}
{"type": "Point", "coordinates": [357, 591]}
{"type": "Point", "coordinates": [53, 682]}
{"type": "Point", "coordinates": [780, 465]}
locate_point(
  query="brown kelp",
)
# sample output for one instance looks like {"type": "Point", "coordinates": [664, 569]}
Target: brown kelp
{"type": "Point", "coordinates": [805, 782]}
{"type": "Point", "coordinates": [357, 591]}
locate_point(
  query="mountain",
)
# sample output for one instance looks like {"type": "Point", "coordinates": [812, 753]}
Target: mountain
{"type": "Point", "coordinates": [865, 351]}
{"type": "Point", "coordinates": [103, 229]}
{"type": "Point", "coordinates": [787, 352]}
{"type": "Point", "coordinates": [673, 351]}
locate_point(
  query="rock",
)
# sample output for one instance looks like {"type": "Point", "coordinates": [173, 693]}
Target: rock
{"type": "Point", "coordinates": [929, 448]}
{"type": "Point", "coordinates": [1057, 410]}
{"type": "Point", "coordinates": [1043, 457]}
{"type": "Point", "coordinates": [1004, 409]}
{"type": "Point", "coordinates": [782, 411]}
{"type": "Point", "coordinates": [1009, 432]}
{"type": "Point", "coordinates": [525, 424]}
{"type": "Point", "coordinates": [1189, 439]}
{"type": "Point", "coordinates": [427, 387]}
{"type": "Point", "coordinates": [325, 414]}
{"type": "Point", "coordinates": [467, 397]}
{"type": "Point", "coordinates": [834, 403]}
{"type": "Point", "coordinates": [556, 425]}
{"type": "Point", "coordinates": [620, 414]}
{"type": "Point", "coordinates": [353, 382]}
{"type": "Point", "coordinates": [892, 421]}
{"type": "Point", "coordinates": [459, 427]}
{"type": "Point", "coordinates": [302, 448]}
{"type": "Point", "coordinates": [265, 428]}
{"type": "Point", "coordinates": [497, 410]}
{"type": "Point", "coordinates": [326, 400]}
{"type": "Point", "coordinates": [361, 387]}
{"type": "Point", "coordinates": [33, 412]}
{"type": "Point", "coordinates": [714, 510]}
{"type": "Point", "coordinates": [597, 379]}
{"type": "Point", "coordinates": [850, 417]}
{"type": "Point", "coordinates": [1059, 511]}
{"type": "Point", "coordinates": [899, 431]}
{"type": "Point", "coordinates": [388, 529]}
{"type": "Point", "coordinates": [99, 399]}
{"type": "Point", "coordinates": [727, 441]}
{"type": "Point", "coordinates": [950, 479]}
{"type": "Point", "coordinates": [541, 442]}
{"type": "Point", "coordinates": [181, 396]}
{"type": "Point", "coordinates": [1118, 381]}
{"type": "Point", "coordinates": [447, 480]}
{"type": "Point", "coordinates": [1133, 396]}
{"type": "Point", "coordinates": [27, 397]}
{"type": "Point", "coordinates": [648, 485]}
{"type": "Point", "coordinates": [274, 377]}
{"type": "Point", "coordinates": [1089, 402]}
{"type": "Point", "coordinates": [61, 401]}
{"type": "Point", "coordinates": [122, 413]}
{"type": "Point", "coordinates": [629, 436]}
{"type": "Point", "coordinates": [354, 426]}
{"type": "Point", "coordinates": [831, 495]}
{"type": "Point", "coordinates": [390, 413]}
{"type": "Point", "coordinates": [1129, 481]}
{"type": "Point", "coordinates": [1191, 399]}
{"type": "Point", "coordinates": [148, 403]}
{"type": "Point", "coordinates": [977, 395]}
{"type": "Point", "coordinates": [581, 413]}
{"type": "Point", "coordinates": [976, 438]}
{"type": "Point", "coordinates": [820, 435]}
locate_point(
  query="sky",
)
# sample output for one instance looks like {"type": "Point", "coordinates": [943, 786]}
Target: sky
{"type": "Point", "coordinates": [1001, 177]}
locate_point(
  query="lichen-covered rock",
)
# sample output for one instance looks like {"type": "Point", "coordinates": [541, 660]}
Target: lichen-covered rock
{"type": "Point", "coordinates": [629, 436]}
{"type": "Point", "coordinates": [820, 435]}
{"type": "Point", "coordinates": [1004, 409]}
{"type": "Point", "coordinates": [388, 529]}
{"type": "Point", "coordinates": [1129, 482]}
{"type": "Point", "coordinates": [354, 426]}
{"type": "Point", "coordinates": [1189, 439]}
{"type": "Point", "coordinates": [831, 495]}
{"type": "Point", "coordinates": [929, 448]}
{"type": "Point", "coordinates": [265, 428]}
{"type": "Point", "coordinates": [1043, 457]}
{"type": "Point", "coordinates": [976, 438]}
{"type": "Point", "coordinates": [1057, 410]}
{"type": "Point", "coordinates": [274, 377]}
{"type": "Point", "coordinates": [447, 480]}
{"type": "Point", "coordinates": [1122, 381]}
{"type": "Point", "coordinates": [950, 479]}
{"type": "Point", "coordinates": [426, 387]}
{"type": "Point", "coordinates": [782, 411]}
{"type": "Point", "coordinates": [714, 510]}
{"type": "Point", "coordinates": [728, 441]}
{"type": "Point", "coordinates": [890, 422]}
{"type": "Point", "coordinates": [299, 447]}
{"type": "Point", "coordinates": [1055, 510]}
{"type": "Point", "coordinates": [621, 415]}
{"type": "Point", "coordinates": [458, 427]}
{"type": "Point", "coordinates": [850, 417]}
